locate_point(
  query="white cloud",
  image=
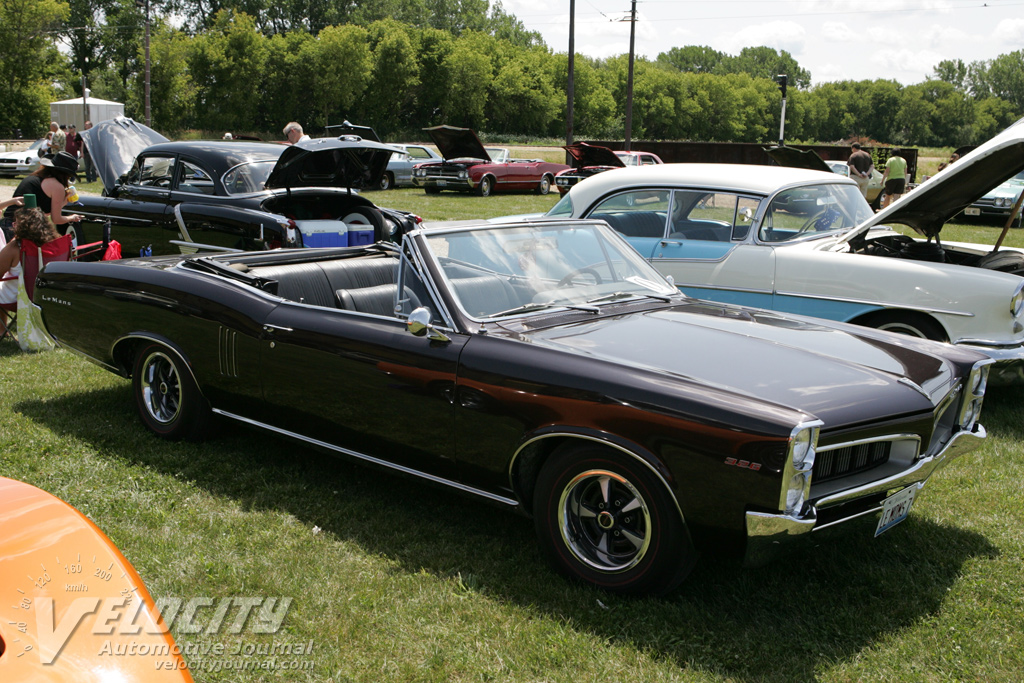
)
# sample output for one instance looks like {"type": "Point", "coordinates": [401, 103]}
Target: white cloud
{"type": "Point", "coordinates": [839, 32]}
{"type": "Point", "coordinates": [897, 63]}
{"type": "Point", "coordinates": [1010, 32]}
{"type": "Point", "coordinates": [781, 35]}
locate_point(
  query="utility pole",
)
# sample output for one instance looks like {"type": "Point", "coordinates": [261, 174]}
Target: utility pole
{"type": "Point", "coordinates": [629, 81]}
{"type": "Point", "coordinates": [782, 79]}
{"type": "Point", "coordinates": [145, 4]}
{"type": "Point", "coordinates": [571, 85]}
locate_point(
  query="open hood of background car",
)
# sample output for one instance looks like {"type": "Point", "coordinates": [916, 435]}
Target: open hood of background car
{"type": "Point", "coordinates": [347, 128]}
{"type": "Point", "coordinates": [592, 155]}
{"type": "Point", "coordinates": [458, 143]}
{"type": "Point", "coordinates": [346, 161]}
{"type": "Point", "coordinates": [114, 144]}
{"type": "Point", "coordinates": [790, 157]}
{"type": "Point", "coordinates": [948, 192]}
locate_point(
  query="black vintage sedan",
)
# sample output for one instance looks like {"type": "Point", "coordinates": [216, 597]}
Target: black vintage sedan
{"type": "Point", "coordinates": [543, 367]}
{"type": "Point", "coordinates": [166, 197]}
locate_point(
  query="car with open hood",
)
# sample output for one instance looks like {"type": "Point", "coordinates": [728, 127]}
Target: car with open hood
{"type": "Point", "coordinates": [589, 160]}
{"type": "Point", "coordinates": [545, 368]}
{"type": "Point", "coordinates": [164, 197]}
{"type": "Point", "coordinates": [807, 242]}
{"type": "Point", "coordinates": [470, 167]}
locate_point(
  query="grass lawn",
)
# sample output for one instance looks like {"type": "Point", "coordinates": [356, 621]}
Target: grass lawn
{"type": "Point", "coordinates": [393, 580]}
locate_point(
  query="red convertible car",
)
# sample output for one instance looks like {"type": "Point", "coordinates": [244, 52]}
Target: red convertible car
{"type": "Point", "coordinates": [469, 167]}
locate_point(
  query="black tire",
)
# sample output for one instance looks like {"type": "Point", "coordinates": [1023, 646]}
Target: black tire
{"type": "Point", "coordinates": [485, 186]}
{"type": "Point", "coordinates": [544, 186]}
{"type": "Point", "coordinates": [910, 323]}
{"type": "Point", "coordinates": [387, 181]}
{"type": "Point", "coordinates": [588, 497]}
{"type": "Point", "coordinates": [169, 402]}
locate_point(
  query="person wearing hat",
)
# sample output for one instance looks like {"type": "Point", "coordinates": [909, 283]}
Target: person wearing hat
{"type": "Point", "coordinates": [49, 184]}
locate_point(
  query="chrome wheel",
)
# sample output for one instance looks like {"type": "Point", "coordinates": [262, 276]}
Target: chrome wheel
{"type": "Point", "coordinates": [604, 521]}
{"type": "Point", "coordinates": [161, 388]}
{"type": "Point", "coordinates": [903, 328]}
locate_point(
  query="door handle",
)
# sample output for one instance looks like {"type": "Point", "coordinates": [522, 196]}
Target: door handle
{"type": "Point", "coordinates": [270, 329]}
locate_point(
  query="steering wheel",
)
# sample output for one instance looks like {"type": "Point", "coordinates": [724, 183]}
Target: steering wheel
{"type": "Point", "coordinates": [829, 215]}
{"type": "Point", "coordinates": [567, 281]}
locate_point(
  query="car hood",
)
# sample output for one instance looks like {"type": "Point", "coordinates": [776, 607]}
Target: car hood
{"type": "Point", "coordinates": [114, 144]}
{"type": "Point", "coordinates": [592, 155]}
{"type": "Point", "coordinates": [457, 143]}
{"type": "Point", "coordinates": [840, 375]}
{"type": "Point", "coordinates": [346, 161]}
{"type": "Point", "coordinates": [951, 190]}
{"type": "Point", "coordinates": [791, 157]}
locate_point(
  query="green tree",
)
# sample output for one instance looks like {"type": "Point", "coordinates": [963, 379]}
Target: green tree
{"type": "Point", "coordinates": [227, 64]}
{"type": "Point", "coordinates": [341, 66]}
{"type": "Point", "coordinates": [286, 69]}
{"type": "Point", "coordinates": [766, 62]}
{"type": "Point", "coordinates": [28, 61]}
{"type": "Point", "coordinates": [395, 72]}
{"type": "Point", "coordinates": [469, 75]}
{"type": "Point", "coordinates": [172, 92]}
{"type": "Point", "coordinates": [954, 72]}
{"type": "Point", "coordinates": [433, 46]}
{"type": "Point", "coordinates": [1005, 78]}
{"type": "Point", "coordinates": [698, 59]}
{"type": "Point", "coordinates": [522, 98]}
{"type": "Point", "coordinates": [594, 107]}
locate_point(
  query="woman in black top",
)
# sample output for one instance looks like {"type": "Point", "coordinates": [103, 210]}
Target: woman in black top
{"type": "Point", "coordinates": [49, 184]}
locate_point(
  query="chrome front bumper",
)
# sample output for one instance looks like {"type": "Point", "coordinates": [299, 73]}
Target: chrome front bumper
{"type": "Point", "coordinates": [1009, 361]}
{"type": "Point", "coordinates": [768, 533]}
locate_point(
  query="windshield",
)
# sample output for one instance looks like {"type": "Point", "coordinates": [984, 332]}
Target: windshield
{"type": "Point", "coordinates": [498, 271]}
{"type": "Point", "coordinates": [249, 177]}
{"type": "Point", "coordinates": [563, 209]}
{"type": "Point", "coordinates": [812, 209]}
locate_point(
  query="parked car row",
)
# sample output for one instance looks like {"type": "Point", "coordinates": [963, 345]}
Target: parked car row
{"type": "Point", "coordinates": [545, 365]}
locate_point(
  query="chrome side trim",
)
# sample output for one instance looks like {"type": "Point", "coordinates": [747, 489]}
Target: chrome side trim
{"type": "Point", "coordinates": [369, 458]}
{"type": "Point", "coordinates": [718, 287]}
{"type": "Point", "coordinates": [882, 304]}
{"type": "Point", "coordinates": [227, 351]}
{"type": "Point", "coordinates": [194, 247]}
{"type": "Point", "coordinates": [92, 359]}
{"type": "Point", "coordinates": [603, 442]}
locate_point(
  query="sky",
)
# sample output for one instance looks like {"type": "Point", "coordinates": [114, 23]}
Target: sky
{"type": "Point", "coordinates": [835, 40]}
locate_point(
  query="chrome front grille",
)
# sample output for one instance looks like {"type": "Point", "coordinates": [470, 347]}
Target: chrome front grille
{"type": "Point", "coordinates": [840, 462]}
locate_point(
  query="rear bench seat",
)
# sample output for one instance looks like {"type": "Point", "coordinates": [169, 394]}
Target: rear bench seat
{"type": "Point", "coordinates": [338, 284]}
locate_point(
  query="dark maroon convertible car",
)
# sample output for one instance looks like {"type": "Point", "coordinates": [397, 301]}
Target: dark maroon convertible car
{"type": "Point", "coordinates": [544, 367]}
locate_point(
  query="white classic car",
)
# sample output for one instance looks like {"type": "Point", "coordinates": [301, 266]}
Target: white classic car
{"type": "Point", "coordinates": [23, 162]}
{"type": "Point", "coordinates": [807, 242]}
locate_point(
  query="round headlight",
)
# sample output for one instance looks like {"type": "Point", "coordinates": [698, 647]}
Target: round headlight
{"type": "Point", "coordinates": [801, 448]}
{"type": "Point", "coordinates": [1017, 301]}
{"type": "Point", "coordinates": [970, 414]}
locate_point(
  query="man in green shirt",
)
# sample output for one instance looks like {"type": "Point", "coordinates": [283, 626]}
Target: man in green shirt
{"type": "Point", "coordinates": [895, 178]}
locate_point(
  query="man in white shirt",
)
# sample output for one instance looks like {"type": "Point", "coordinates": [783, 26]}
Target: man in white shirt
{"type": "Point", "coordinates": [293, 131]}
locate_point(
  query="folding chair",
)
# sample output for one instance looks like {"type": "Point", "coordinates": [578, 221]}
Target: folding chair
{"type": "Point", "coordinates": [33, 258]}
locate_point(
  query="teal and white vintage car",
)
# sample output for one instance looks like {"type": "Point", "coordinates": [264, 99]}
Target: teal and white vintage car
{"type": "Point", "coordinates": [807, 242]}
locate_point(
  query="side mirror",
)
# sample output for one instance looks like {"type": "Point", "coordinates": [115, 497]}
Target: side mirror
{"type": "Point", "coordinates": [419, 325]}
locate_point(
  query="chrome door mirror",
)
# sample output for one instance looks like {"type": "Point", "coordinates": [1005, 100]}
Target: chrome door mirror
{"type": "Point", "coordinates": [420, 325]}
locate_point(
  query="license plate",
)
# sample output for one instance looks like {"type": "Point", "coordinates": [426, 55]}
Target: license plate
{"type": "Point", "coordinates": [442, 183]}
{"type": "Point", "coordinates": [895, 509]}
{"type": "Point", "coordinates": [969, 211]}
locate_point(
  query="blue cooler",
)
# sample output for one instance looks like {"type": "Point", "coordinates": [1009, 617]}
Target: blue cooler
{"type": "Point", "coordinates": [324, 233]}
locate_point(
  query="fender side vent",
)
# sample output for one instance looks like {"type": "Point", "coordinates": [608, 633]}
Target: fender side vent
{"type": "Point", "coordinates": [227, 352]}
